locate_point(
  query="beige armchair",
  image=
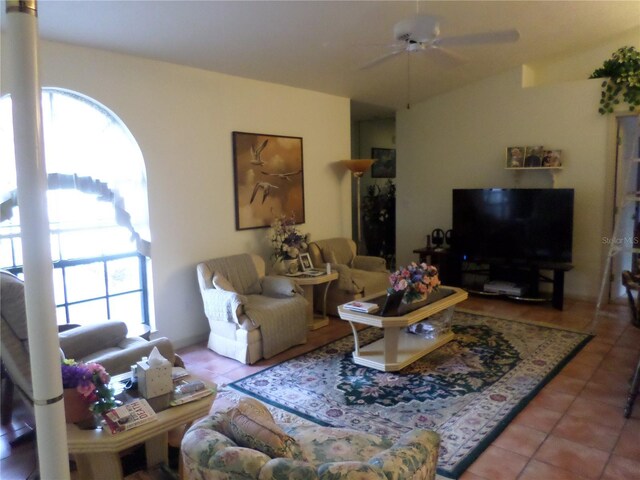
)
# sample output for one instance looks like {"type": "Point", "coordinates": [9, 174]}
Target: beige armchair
{"type": "Point", "coordinates": [360, 275]}
{"type": "Point", "coordinates": [103, 342]}
{"type": "Point", "coordinates": [252, 316]}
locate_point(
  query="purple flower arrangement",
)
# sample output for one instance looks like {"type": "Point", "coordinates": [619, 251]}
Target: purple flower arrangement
{"type": "Point", "coordinates": [91, 380]}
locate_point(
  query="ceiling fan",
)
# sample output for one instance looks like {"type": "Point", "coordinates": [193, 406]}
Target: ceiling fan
{"type": "Point", "coordinates": [421, 33]}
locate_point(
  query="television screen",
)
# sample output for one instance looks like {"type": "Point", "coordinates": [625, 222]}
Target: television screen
{"type": "Point", "coordinates": [528, 224]}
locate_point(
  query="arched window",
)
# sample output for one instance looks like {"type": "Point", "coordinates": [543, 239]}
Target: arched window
{"type": "Point", "coordinates": [98, 209]}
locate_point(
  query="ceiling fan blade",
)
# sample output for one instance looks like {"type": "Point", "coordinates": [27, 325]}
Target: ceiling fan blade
{"type": "Point", "coordinates": [504, 36]}
{"type": "Point", "coordinates": [444, 58]}
{"type": "Point", "coordinates": [380, 59]}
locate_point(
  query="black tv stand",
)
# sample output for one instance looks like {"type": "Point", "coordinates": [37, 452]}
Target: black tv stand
{"type": "Point", "coordinates": [527, 274]}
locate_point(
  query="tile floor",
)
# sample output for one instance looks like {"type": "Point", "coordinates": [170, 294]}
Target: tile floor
{"type": "Point", "coordinates": [573, 429]}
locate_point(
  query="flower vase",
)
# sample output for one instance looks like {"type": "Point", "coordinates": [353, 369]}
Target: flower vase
{"type": "Point", "coordinates": [76, 406]}
{"type": "Point", "coordinates": [412, 302]}
{"type": "Point", "coordinates": [291, 266]}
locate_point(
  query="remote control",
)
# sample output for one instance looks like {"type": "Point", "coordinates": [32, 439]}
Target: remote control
{"type": "Point", "coordinates": [191, 387]}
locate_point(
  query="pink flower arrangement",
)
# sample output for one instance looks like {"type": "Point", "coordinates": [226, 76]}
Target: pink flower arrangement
{"type": "Point", "coordinates": [91, 380]}
{"type": "Point", "coordinates": [415, 280]}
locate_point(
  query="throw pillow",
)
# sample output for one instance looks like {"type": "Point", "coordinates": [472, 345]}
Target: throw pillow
{"type": "Point", "coordinates": [252, 426]}
{"type": "Point", "coordinates": [220, 282]}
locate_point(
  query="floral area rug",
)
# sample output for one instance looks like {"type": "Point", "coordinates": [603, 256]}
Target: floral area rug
{"type": "Point", "coordinates": [468, 390]}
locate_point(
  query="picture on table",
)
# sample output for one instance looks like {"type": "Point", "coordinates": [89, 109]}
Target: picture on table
{"type": "Point", "coordinates": [305, 262]}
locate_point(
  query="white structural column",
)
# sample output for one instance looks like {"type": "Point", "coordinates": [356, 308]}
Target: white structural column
{"type": "Point", "coordinates": [22, 49]}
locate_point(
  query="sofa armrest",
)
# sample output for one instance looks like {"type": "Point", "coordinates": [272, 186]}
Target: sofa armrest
{"type": "Point", "coordinates": [207, 453]}
{"type": "Point", "coordinates": [130, 351]}
{"type": "Point", "coordinates": [416, 450]}
{"type": "Point", "coordinates": [280, 287]}
{"type": "Point", "coordinates": [222, 305]}
{"type": "Point", "coordinates": [346, 281]}
{"type": "Point", "coordinates": [82, 341]}
{"type": "Point", "coordinates": [371, 264]}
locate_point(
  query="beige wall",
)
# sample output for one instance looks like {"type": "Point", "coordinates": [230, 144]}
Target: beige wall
{"type": "Point", "coordinates": [458, 140]}
{"type": "Point", "coordinates": [182, 119]}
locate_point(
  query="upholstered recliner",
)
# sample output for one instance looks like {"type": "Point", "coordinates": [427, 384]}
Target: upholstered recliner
{"type": "Point", "coordinates": [360, 275]}
{"type": "Point", "coordinates": [252, 316]}
{"type": "Point", "coordinates": [244, 441]}
{"type": "Point", "coordinates": [103, 342]}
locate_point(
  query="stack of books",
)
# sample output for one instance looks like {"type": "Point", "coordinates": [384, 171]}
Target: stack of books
{"type": "Point", "coordinates": [363, 307]}
{"type": "Point", "coordinates": [129, 416]}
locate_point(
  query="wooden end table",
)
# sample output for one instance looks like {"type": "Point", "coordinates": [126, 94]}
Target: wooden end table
{"type": "Point", "coordinates": [307, 282]}
{"type": "Point", "coordinates": [96, 452]}
{"type": "Point", "coordinates": [399, 348]}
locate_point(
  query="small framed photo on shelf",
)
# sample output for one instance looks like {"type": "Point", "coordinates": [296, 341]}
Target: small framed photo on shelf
{"type": "Point", "coordinates": [551, 159]}
{"type": "Point", "coordinates": [533, 157]}
{"type": "Point", "coordinates": [305, 262]}
{"type": "Point", "coordinates": [515, 157]}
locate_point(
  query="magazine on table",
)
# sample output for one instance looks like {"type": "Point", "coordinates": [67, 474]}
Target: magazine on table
{"type": "Point", "coordinates": [129, 416]}
{"type": "Point", "coordinates": [363, 307]}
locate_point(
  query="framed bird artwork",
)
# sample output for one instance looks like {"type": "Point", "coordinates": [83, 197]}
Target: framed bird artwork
{"type": "Point", "coordinates": [268, 178]}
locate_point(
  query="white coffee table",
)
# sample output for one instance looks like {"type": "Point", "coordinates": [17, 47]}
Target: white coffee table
{"type": "Point", "coordinates": [399, 348]}
{"type": "Point", "coordinates": [96, 452]}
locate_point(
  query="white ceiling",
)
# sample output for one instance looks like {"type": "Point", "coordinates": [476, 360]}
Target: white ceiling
{"type": "Point", "coordinates": [318, 45]}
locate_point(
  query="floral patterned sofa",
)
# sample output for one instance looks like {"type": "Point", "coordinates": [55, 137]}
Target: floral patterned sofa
{"type": "Point", "coordinates": [244, 441]}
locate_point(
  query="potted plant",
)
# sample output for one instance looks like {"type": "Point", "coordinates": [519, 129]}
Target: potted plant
{"type": "Point", "coordinates": [622, 71]}
{"type": "Point", "coordinates": [86, 390]}
{"type": "Point", "coordinates": [378, 215]}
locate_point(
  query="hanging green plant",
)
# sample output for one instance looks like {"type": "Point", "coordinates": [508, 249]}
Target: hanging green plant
{"type": "Point", "coordinates": [622, 71]}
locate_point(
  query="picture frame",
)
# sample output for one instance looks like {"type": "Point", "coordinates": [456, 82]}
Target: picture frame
{"type": "Point", "coordinates": [533, 156]}
{"type": "Point", "coordinates": [515, 157]}
{"type": "Point", "coordinates": [552, 159]}
{"type": "Point", "coordinates": [385, 164]}
{"type": "Point", "coordinates": [268, 176]}
{"type": "Point", "coordinates": [305, 262]}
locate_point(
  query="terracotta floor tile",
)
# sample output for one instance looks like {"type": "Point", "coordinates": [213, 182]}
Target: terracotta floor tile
{"type": "Point", "coordinates": [613, 379]}
{"type": "Point", "coordinates": [563, 383]}
{"type": "Point", "coordinates": [553, 400]}
{"type": "Point", "coordinates": [520, 439]}
{"type": "Point", "coordinates": [615, 395]}
{"type": "Point", "coordinates": [578, 370]}
{"type": "Point", "coordinates": [597, 412]}
{"type": "Point", "coordinates": [628, 445]}
{"type": "Point", "coordinates": [586, 433]}
{"type": "Point", "coordinates": [630, 338]}
{"type": "Point", "coordinates": [498, 464]}
{"type": "Point", "coordinates": [575, 457]}
{"type": "Point", "coordinates": [589, 358]}
{"type": "Point", "coordinates": [470, 476]}
{"type": "Point", "coordinates": [597, 346]}
{"type": "Point", "coordinates": [536, 470]}
{"type": "Point", "coordinates": [538, 418]}
{"type": "Point", "coordinates": [620, 468]}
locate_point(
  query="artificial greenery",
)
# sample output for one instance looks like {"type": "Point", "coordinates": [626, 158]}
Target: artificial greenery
{"type": "Point", "coordinates": [623, 79]}
{"type": "Point", "coordinates": [379, 221]}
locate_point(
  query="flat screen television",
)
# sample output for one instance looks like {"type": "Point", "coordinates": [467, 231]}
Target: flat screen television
{"type": "Point", "coordinates": [515, 225]}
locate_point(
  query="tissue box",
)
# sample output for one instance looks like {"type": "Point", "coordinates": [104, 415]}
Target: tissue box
{"type": "Point", "coordinates": [154, 381]}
